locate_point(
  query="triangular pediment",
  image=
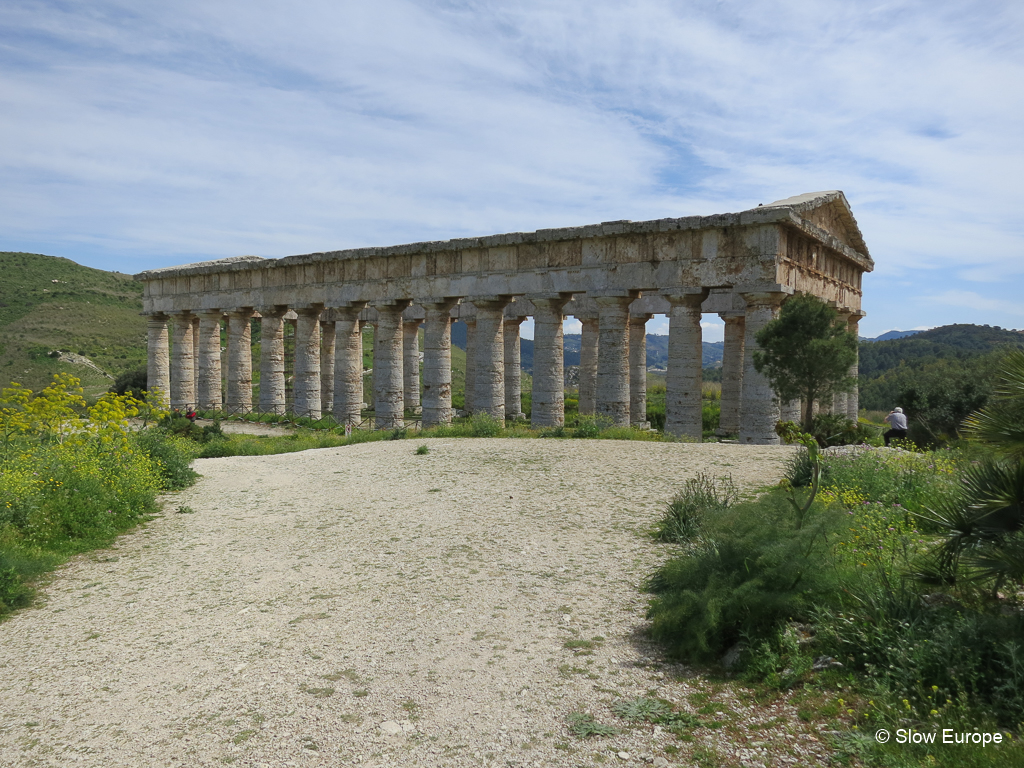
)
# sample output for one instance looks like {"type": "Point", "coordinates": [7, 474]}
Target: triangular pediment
{"type": "Point", "coordinates": [829, 211]}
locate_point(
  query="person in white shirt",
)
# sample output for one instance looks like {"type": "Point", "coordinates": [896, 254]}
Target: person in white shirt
{"type": "Point", "coordinates": [898, 421]}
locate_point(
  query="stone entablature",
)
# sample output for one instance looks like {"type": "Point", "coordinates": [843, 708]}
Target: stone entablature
{"type": "Point", "coordinates": [613, 276]}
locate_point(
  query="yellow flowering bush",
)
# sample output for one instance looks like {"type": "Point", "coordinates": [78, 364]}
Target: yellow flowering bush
{"type": "Point", "coordinates": [73, 476]}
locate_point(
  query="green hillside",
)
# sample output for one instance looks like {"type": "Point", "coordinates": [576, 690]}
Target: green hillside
{"type": "Point", "coordinates": [938, 376]}
{"type": "Point", "coordinates": [49, 303]}
{"type": "Point", "coordinates": [948, 342]}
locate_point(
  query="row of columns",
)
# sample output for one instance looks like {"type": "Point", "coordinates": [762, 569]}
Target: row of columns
{"type": "Point", "coordinates": [328, 366]}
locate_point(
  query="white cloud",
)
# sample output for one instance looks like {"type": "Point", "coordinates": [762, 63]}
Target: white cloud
{"type": "Point", "coordinates": [139, 135]}
{"type": "Point", "coordinates": [972, 300]}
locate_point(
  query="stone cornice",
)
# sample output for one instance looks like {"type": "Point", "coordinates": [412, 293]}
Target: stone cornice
{"type": "Point", "coordinates": [786, 212]}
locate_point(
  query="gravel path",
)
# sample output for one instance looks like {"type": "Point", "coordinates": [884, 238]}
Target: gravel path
{"type": "Point", "coordinates": [368, 606]}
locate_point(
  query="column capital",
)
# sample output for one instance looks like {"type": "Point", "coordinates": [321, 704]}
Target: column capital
{"type": "Point", "coordinates": [308, 310]}
{"type": "Point", "coordinates": [442, 304]}
{"type": "Point", "coordinates": [644, 316]}
{"type": "Point", "coordinates": [391, 305]}
{"type": "Point", "coordinates": [517, 320]}
{"type": "Point", "coordinates": [273, 310]}
{"type": "Point", "coordinates": [732, 316]}
{"type": "Point", "coordinates": [687, 296]}
{"type": "Point", "coordinates": [551, 302]}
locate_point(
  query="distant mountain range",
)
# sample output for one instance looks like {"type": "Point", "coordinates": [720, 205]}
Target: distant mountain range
{"type": "Point", "coordinates": [890, 335]}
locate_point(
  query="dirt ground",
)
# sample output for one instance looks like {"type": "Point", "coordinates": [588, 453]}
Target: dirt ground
{"type": "Point", "coordinates": [369, 606]}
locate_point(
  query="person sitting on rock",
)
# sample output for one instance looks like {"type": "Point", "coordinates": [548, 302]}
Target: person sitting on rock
{"type": "Point", "coordinates": [898, 421]}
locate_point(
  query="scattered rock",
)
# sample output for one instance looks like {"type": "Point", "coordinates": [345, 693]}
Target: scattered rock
{"type": "Point", "coordinates": [826, 662]}
{"type": "Point", "coordinates": [661, 762]}
{"type": "Point", "coordinates": [732, 656]}
{"type": "Point", "coordinates": [391, 728]}
{"type": "Point", "coordinates": [622, 755]}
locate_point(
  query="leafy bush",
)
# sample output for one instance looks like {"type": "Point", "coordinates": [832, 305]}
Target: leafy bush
{"type": "Point", "coordinates": [758, 567]}
{"type": "Point", "coordinates": [932, 655]}
{"type": "Point", "coordinates": [589, 427]}
{"type": "Point", "coordinates": [72, 477]}
{"type": "Point", "coordinates": [132, 382]}
{"type": "Point", "coordinates": [172, 454]}
{"type": "Point", "coordinates": [484, 425]}
{"type": "Point", "coordinates": [701, 496]}
{"type": "Point", "coordinates": [836, 429]}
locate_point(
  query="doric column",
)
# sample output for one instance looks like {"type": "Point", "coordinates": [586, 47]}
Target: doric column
{"type": "Point", "coordinates": [327, 347]}
{"type": "Point", "coordinates": [272, 385]}
{"type": "Point", "coordinates": [588, 365]}
{"type": "Point", "coordinates": [183, 377]}
{"type": "Point", "coordinates": [469, 401]}
{"type": "Point", "coordinates": [158, 369]}
{"type": "Point", "coordinates": [437, 362]}
{"type": "Point", "coordinates": [239, 360]}
{"type": "Point", "coordinates": [388, 374]}
{"type": "Point", "coordinates": [195, 354]}
{"type": "Point", "coordinates": [372, 324]}
{"type": "Point", "coordinates": [489, 390]}
{"type": "Point", "coordinates": [348, 364]}
{"type": "Point", "coordinates": [638, 370]}
{"type": "Point", "coordinates": [791, 411]}
{"type": "Point", "coordinates": [411, 357]}
{"type": "Point", "coordinates": [613, 357]}
{"type": "Point", "coordinates": [210, 386]}
{"type": "Point", "coordinates": [307, 362]}
{"type": "Point", "coordinates": [853, 397]}
{"type": "Point", "coordinates": [548, 406]}
{"type": "Point", "coordinates": [732, 373]}
{"type": "Point", "coordinates": [760, 410]}
{"type": "Point", "coordinates": [513, 368]}
{"type": "Point", "coordinates": [684, 381]}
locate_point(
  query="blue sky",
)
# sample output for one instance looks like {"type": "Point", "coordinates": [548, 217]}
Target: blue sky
{"type": "Point", "coordinates": [137, 135]}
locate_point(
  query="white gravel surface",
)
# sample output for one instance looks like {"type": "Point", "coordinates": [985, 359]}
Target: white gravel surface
{"type": "Point", "coordinates": [368, 606]}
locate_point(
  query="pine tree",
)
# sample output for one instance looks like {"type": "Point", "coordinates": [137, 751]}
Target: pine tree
{"type": "Point", "coordinates": [806, 353]}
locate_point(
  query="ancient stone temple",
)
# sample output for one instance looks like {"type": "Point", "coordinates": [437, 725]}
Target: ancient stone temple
{"type": "Point", "coordinates": [613, 277]}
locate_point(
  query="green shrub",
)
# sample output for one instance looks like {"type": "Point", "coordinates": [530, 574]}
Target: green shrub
{"type": "Point", "coordinates": [701, 496]}
{"type": "Point", "coordinates": [932, 656]}
{"type": "Point", "coordinates": [423, 450]}
{"type": "Point", "coordinates": [756, 569]}
{"type": "Point", "coordinates": [710, 415]}
{"type": "Point", "coordinates": [484, 425]}
{"type": "Point", "coordinates": [589, 427]}
{"type": "Point", "coordinates": [14, 593]}
{"type": "Point", "coordinates": [132, 382]}
{"type": "Point", "coordinates": [172, 454]}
